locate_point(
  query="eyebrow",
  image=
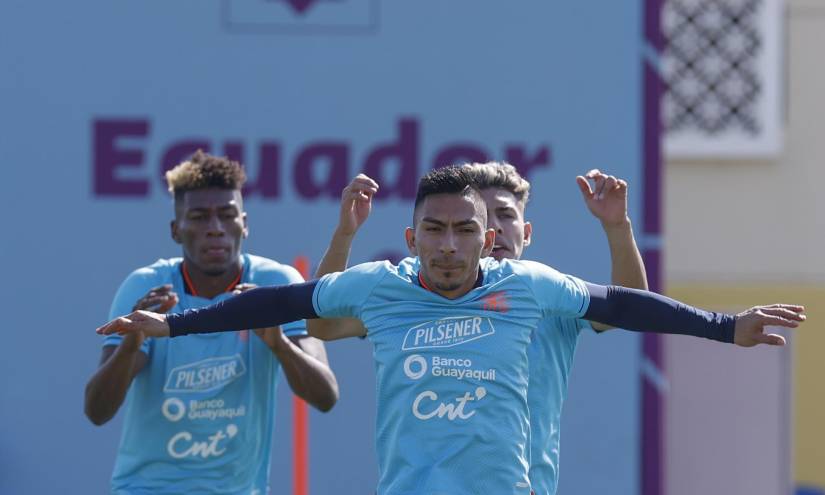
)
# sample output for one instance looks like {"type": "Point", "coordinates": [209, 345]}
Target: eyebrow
{"type": "Point", "coordinates": [505, 208]}
{"type": "Point", "coordinates": [205, 208]}
{"type": "Point", "coordinates": [442, 224]}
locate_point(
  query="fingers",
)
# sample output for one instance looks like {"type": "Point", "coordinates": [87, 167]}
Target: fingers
{"type": "Point", "coordinates": [778, 321]}
{"type": "Point", "coordinates": [603, 184]}
{"type": "Point", "coordinates": [584, 187]}
{"type": "Point", "coordinates": [243, 288]}
{"type": "Point", "coordinates": [168, 304]}
{"type": "Point", "coordinates": [793, 307]}
{"type": "Point", "coordinates": [159, 290]}
{"type": "Point", "coordinates": [784, 312]}
{"type": "Point", "coordinates": [770, 339]}
{"type": "Point", "coordinates": [118, 325]}
{"type": "Point", "coordinates": [361, 188]}
{"type": "Point", "coordinates": [157, 300]}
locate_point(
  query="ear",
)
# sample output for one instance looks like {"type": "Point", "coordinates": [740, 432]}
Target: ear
{"type": "Point", "coordinates": [173, 230]}
{"type": "Point", "coordinates": [528, 233]}
{"type": "Point", "coordinates": [489, 242]}
{"type": "Point", "coordinates": [245, 225]}
{"type": "Point", "coordinates": [409, 237]}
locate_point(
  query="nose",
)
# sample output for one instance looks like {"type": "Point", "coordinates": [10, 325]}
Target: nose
{"type": "Point", "coordinates": [215, 226]}
{"type": "Point", "coordinates": [448, 244]}
{"type": "Point", "coordinates": [492, 223]}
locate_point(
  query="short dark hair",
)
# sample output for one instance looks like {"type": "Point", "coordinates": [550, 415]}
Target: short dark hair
{"type": "Point", "coordinates": [452, 179]}
{"type": "Point", "coordinates": [500, 175]}
{"type": "Point", "coordinates": [204, 171]}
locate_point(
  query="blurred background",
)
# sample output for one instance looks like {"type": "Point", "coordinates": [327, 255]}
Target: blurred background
{"type": "Point", "coordinates": [710, 109]}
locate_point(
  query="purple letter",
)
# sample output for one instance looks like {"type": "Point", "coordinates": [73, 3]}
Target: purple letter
{"type": "Point", "coordinates": [108, 158]}
{"type": "Point", "coordinates": [268, 183]}
{"type": "Point", "coordinates": [456, 154]}
{"type": "Point", "coordinates": [405, 153]}
{"type": "Point", "coordinates": [336, 154]}
{"type": "Point", "coordinates": [517, 157]}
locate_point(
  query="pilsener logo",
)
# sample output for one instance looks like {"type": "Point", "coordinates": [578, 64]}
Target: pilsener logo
{"type": "Point", "coordinates": [447, 332]}
{"type": "Point", "coordinates": [202, 376]}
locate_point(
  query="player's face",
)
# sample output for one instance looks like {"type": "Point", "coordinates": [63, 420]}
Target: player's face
{"type": "Point", "coordinates": [210, 226]}
{"type": "Point", "coordinates": [505, 215]}
{"type": "Point", "coordinates": [449, 238]}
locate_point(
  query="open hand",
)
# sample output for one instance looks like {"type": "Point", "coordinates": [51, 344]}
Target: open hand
{"type": "Point", "coordinates": [145, 322]}
{"type": "Point", "coordinates": [750, 324]}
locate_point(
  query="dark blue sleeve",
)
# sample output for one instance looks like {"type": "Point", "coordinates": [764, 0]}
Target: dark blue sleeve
{"type": "Point", "coordinates": [643, 311]}
{"type": "Point", "coordinates": [257, 308]}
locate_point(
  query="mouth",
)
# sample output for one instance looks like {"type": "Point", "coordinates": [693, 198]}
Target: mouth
{"type": "Point", "coordinates": [447, 266]}
{"type": "Point", "coordinates": [216, 252]}
{"type": "Point", "coordinates": [500, 250]}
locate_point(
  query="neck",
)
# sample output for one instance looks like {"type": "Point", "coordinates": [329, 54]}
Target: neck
{"type": "Point", "coordinates": [466, 287]}
{"type": "Point", "coordinates": [208, 285]}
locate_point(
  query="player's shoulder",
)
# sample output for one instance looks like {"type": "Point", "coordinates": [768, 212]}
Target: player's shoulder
{"type": "Point", "coordinates": [269, 271]}
{"type": "Point", "coordinates": [376, 269]}
{"type": "Point", "coordinates": [370, 274]}
{"type": "Point", "coordinates": [147, 277]}
{"type": "Point", "coordinates": [494, 269]}
{"type": "Point", "coordinates": [159, 271]}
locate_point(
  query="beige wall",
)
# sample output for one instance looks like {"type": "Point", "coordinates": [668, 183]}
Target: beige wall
{"type": "Point", "coordinates": [760, 226]}
{"type": "Point", "coordinates": [760, 221]}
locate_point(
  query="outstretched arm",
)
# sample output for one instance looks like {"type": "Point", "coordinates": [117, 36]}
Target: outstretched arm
{"type": "Point", "coordinates": [263, 307]}
{"type": "Point", "coordinates": [356, 204]}
{"type": "Point", "coordinates": [304, 361]}
{"type": "Point", "coordinates": [643, 311]}
{"type": "Point", "coordinates": [607, 201]}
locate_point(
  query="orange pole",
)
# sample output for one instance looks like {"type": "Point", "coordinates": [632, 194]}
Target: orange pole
{"type": "Point", "coordinates": [300, 420]}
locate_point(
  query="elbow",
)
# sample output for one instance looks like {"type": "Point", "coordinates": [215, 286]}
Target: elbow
{"type": "Point", "coordinates": [93, 411]}
{"type": "Point", "coordinates": [96, 417]}
{"type": "Point", "coordinates": [327, 403]}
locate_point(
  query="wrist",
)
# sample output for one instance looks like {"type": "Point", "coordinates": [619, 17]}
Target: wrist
{"type": "Point", "coordinates": [618, 229]}
{"type": "Point", "coordinates": [280, 344]}
{"type": "Point", "coordinates": [344, 234]}
{"type": "Point", "coordinates": [131, 343]}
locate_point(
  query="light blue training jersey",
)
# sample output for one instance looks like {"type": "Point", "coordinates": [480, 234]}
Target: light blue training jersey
{"type": "Point", "coordinates": [451, 374]}
{"type": "Point", "coordinates": [551, 357]}
{"type": "Point", "coordinates": [199, 416]}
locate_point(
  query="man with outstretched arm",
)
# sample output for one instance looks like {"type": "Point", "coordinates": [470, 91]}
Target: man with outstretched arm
{"type": "Point", "coordinates": [553, 344]}
{"type": "Point", "coordinates": [466, 316]}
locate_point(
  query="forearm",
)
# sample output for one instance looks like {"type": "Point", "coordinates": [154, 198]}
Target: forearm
{"type": "Point", "coordinates": [106, 390]}
{"type": "Point", "coordinates": [627, 267]}
{"type": "Point", "coordinates": [337, 255]}
{"type": "Point", "coordinates": [335, 260]}
{"type": "Point", "coordinates": [308, 377]}
{"type": "Point", "coordinates": [642, 311]}
{"type": "Point", "coordinates": [263, 307]}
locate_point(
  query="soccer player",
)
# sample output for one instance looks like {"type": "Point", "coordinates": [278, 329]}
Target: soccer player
{"type": "Point", "coordinates": [554, 342]}
{"type": "Point", "coordinates": [450, 332]}
{"type": "Point", "coordinates": [200, 410]}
